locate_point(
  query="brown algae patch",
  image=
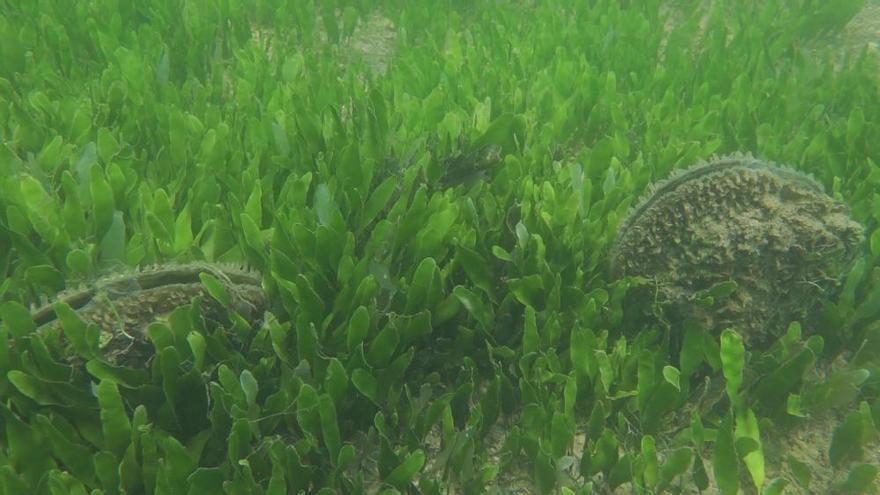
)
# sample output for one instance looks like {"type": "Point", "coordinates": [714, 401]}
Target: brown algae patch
{"type": "Point", "coordinates": [770, 229]}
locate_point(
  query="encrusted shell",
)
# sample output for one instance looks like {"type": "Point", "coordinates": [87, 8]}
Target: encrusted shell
{"type": "Point", "coordinates": [769, 228]}
{"type": "Point", "coordinates": [123, 304]}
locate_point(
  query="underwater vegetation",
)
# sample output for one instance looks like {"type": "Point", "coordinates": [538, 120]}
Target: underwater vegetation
{"type": "Point", "coordinates": [448, 247]}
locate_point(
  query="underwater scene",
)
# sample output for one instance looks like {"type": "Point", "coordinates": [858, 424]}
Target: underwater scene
{"type": "Point", "coordinates": [447, 247]}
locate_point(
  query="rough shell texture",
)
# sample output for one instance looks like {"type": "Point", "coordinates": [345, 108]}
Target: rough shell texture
{"type": "Point", "coordinates": [124, 304]}
{"type": "Point", "coordinates": [770, 229]}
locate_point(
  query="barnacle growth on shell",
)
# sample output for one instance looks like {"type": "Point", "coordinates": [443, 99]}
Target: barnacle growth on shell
{"type": "Point", "coordinates": [769, 228]}
{"type": "Point", "coordinates": [123, 305]}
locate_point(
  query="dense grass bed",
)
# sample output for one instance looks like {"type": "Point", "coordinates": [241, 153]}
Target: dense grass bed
{"type": "Point", "coordinates": [429, 191]}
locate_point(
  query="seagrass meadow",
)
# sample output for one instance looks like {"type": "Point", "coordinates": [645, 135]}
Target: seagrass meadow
{"type": "Point", "coordinates": [409, 247]}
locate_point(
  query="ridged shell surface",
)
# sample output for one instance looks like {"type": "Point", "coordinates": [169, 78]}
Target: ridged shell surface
{"type": "Point", "coordinates": [769, 228]}
{"type": "Point", "coordinates": [123, 304]}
